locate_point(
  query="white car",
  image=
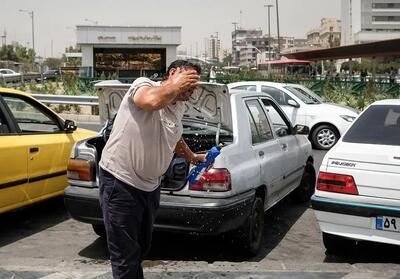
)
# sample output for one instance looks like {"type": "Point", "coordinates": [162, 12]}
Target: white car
{"type": "Point", "coordinates": [263, 160]}
{"type": "Point", "coordinates": [327, 122]}
{"type": "Point", "coordinates": [9, 75]}
{"type": "Point", "coordinates": [358, 189]}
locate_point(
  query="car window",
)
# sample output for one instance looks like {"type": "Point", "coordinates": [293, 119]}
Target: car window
{"type": "Point", "coordinates": [303, 95]}
{"type": "Point", "coordinates": [279, 96]}
{"type": "Point", "coordinates": [4, 128]}
{"type": "Point", "coordinates": [245, 87]}
{"type": "Point", "coordinates": [3, 72]}
{"type": "Point", "coordinates": [279, 121]}
{"type": "Point", "coordinates": [29, 117]}
{"type": "Point", "coordinates": [259, 125]}
{"type": "Point", "coordinates": [377, 125]}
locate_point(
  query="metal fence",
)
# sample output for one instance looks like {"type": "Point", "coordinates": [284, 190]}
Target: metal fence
{"type": "Point", "coordinates": [68, 100]}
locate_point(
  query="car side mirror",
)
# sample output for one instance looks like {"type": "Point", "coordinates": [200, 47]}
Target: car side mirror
{"type": "Point", "coordinates": [302, 130]}
{"type": "Point", "coordinates": [293, 103]}
{"type": "Point", "coordinates": [69, 126]}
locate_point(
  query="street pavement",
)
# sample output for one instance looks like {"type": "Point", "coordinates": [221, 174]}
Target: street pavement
{"type": "Point", "coordinates": [43, 242]}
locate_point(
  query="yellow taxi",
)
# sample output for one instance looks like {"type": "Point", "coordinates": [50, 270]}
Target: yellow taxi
{"type": "Point", "coordinates": [35, 144]}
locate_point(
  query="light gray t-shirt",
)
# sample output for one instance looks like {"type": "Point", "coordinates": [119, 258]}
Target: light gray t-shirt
{"type": "Point", "coordinates": [142, 143]}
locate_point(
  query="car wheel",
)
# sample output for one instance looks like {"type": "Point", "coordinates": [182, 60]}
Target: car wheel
{"type": "Point", "coordinates": [324, 137]}
{"type": "Point", "coordinates": [100, 230]}
{"type": "Point", "coordinates": [306, 188]}
{"type": "Point", "coordinates": [335, 244]}
{"type": "Point", "coordinates": [252, 236]}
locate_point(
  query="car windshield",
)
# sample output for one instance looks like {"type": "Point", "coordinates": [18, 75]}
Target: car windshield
{"type": "Point", "coordinates": [379, 124]}
{"type": "Point", "coordinates": [307, 97]}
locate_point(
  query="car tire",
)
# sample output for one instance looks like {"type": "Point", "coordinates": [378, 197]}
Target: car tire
{"type": "Point", "coordinates": [251, 235]}
{"type": "Point", "coordinates": [324, 137]}
{"type": "Point", "coordinates": [335, 244]}
{"type": "Point", "coordinates": [306, 188]}
{"type": "Point", "coordinates": [100, 230]}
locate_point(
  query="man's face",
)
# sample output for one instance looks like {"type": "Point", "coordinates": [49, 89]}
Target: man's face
{"type": "Point", "coordinates": [185, 96]}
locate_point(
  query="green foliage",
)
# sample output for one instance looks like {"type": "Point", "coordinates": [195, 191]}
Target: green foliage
{"type": "Point", "coordinates": [53, 63]}
{"type": "Point", "coordinates": [71, 85]}
{"type": "Point", "coordinates": [17, 53]}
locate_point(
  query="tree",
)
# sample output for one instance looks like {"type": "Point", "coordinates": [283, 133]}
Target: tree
{"type": "Point", "coordinates": [227, 61]}
{"type": "Point", "coordinates": [53, 63]}
{"type": "Point", "coordinates": [17, 53]}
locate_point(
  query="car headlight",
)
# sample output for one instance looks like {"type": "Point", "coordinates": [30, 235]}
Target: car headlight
{"type": "Point", "coordinates": [348, 118]}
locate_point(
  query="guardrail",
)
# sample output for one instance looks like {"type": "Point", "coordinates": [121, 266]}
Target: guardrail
{"type": "Point", "coordinates": [68, 99]}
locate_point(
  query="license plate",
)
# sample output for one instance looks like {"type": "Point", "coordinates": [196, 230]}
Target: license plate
{"type": "Point", "coordinates": [386, 223]}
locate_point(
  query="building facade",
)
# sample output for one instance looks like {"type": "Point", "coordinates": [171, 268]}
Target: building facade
{"type": "Point", "coordinates": [369, 20]}
{"type": "Point", "coordinates": [127, 51]}
{"type": "Point", "coordinates": [214, 49]}
{"type": "Point", "coordinates": [326, 35]}
{"type": "Point", "coordinates": [247, 44]}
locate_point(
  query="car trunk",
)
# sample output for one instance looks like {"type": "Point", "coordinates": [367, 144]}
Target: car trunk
{"type": "Point", "coordinates": [207, 122]}
{"type": "Point", "coordinates": [376, 172]}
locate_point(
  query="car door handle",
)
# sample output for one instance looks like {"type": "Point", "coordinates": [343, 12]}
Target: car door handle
{"type": "Point", "coordinates": [261, 153]}
{"type": "Point", "coordinates": [33, 149]}
{"type": "Point", "coordinates": [284, 146]}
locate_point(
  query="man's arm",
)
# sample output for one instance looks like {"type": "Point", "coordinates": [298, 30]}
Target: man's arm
{"type": "Point", "coordinates": [183, 150]}
{"type": "Point", "coordinates": [158, 97]}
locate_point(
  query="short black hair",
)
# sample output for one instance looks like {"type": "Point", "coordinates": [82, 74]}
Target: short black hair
{"type": "Point", "coordinates": [184, 64]}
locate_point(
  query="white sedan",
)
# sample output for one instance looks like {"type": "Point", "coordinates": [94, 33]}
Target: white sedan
{"type": "Point", "coordinates": [327, 122]}
{"type": "Point", "coordinates": [358, 189]}
{"type": "Point", "coordinates": [9, 75]}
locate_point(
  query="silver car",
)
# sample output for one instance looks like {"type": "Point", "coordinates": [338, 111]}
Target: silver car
{"type": "Point", "coordinates": [263, 160]}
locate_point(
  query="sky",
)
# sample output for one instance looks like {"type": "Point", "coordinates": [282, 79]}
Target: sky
{"type": "Point", "coordinates": [55, 20]}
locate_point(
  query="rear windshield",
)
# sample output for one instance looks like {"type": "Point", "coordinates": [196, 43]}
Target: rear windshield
{"type": "Point", "coordinates": [377, 125]}
{"type": "Point", "coordinates": [196, 128]}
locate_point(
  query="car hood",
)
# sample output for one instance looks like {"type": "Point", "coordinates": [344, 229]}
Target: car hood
{"type": "Point", "coordinates": [210, 102]}
{"type": "Point", "coordinates": [328, 108]}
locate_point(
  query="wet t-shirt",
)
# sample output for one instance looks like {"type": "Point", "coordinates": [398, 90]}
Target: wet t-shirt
{"type": "Point", "coordinates": [142, 143]}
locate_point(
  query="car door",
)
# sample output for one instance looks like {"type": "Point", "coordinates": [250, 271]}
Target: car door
{"type": "Point", "coordinates": [47, 145]}
{"type": "Point", "coordinates": [283, 130]}
{"type": "Point", "coordinates": [267, 150]}
{"type": "Point", "coordinates": [295, 114]}
{"type": "Point", "coordinates": [13, 162]}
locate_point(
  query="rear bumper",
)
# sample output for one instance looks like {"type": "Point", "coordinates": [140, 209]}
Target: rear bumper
{"type": "Point", "coordinates": [83, 204]}
{"type": "Point", "coordinates": [354, 220]}
{"type": "Point", "coordinates": [176, 213]}
{"type": "Point", "coordinates": [357, 209]}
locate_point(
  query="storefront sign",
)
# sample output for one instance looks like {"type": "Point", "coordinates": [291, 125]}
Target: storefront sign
{"type": "Point", "coordinates": [144, 38]}
{"type": "Point", "coordinates": [106, 38]}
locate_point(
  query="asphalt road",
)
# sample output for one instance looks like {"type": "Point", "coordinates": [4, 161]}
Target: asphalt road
{"type": "Point", "coordinates": [43, 242]}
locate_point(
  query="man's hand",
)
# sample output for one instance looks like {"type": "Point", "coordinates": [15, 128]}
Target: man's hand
{"type": "Point", "coordinates": [198, 158]}
{"type": "Point", "coordinates": [184, 80]}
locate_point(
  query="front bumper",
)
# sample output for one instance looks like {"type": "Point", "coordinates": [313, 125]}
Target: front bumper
{"type": "Point", "coordinates": [354, 220]}
{"type": "Point", "coordinates": [176, 213]}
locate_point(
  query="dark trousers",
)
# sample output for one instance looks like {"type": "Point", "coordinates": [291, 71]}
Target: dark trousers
{"type": "Point", "coordinates": [128, 215]}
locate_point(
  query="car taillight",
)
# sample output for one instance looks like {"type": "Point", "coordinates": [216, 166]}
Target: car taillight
{"type": "Point", "coordinates": [80, 170]}
{"type": "Point", "coordinates": [214, 180]}
{"type": "Point", "coordinates": [338, 183]}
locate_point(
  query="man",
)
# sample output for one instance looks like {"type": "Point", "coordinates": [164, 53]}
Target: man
{"type": "Point", "coordinates": [146, 133]}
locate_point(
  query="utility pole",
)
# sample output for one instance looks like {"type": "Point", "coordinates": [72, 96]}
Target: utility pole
{"type": "Point", "coordinates": [217, 46]}
{"type": "Point", "coordinates": [277, 27]}
{"type": "Point", "coordinates": [234, 42]}
{"type": "Point", "coordinates": [269, 30]}
{"type": "Point", "coordinates": [4, 38]}
{"type": "Point", "coordinates": [31, 14]}
{"type": "Point", "coordinates": [205, 49]}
